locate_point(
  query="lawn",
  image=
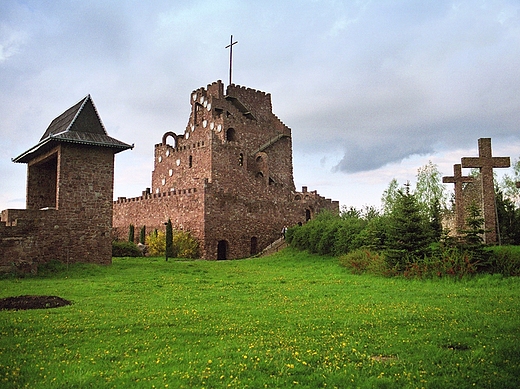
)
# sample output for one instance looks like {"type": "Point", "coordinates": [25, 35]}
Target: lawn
{"type": "Point", "coordinates": [289, 320]}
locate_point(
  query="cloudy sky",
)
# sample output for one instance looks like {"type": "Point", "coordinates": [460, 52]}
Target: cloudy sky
{"type": "Point", "coordinates": [372, 90]}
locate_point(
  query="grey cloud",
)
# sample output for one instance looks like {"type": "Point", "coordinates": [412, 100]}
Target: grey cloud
{"type": "Point", "coordinates": [371, 157]}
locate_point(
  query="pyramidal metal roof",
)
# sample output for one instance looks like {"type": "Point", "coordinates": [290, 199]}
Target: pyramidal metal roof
{"type": "Point", "coordinates": [79, 124]}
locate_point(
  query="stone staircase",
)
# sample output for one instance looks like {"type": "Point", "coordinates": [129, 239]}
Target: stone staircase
{"type": "Point", "coordinates": [274, 247]}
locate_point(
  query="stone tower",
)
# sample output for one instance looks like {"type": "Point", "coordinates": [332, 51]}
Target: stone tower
{"type": "Point", "coordinates": [227, 178]}
{"type": "Point", "coordinates": [70, 176]}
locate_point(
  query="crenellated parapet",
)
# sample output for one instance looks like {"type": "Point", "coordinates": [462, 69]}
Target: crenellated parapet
{"type": "Point", "coordinates": [144, 197]}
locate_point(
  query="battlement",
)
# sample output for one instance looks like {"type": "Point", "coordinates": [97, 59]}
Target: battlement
{"type": "Point", "coordinates": [215, 89]}
{"type": "Point", "coordinates": [147, 195]}
{"type": "Point", "coordinates": [305, 195]}
{"type": "Point", "coordinates": [261, 100]}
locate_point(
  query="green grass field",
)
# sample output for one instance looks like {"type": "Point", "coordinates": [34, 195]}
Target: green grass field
{"type": "Point", "coordinates": [289, 320]}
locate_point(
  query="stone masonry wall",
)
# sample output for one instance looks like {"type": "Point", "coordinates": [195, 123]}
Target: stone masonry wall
{"type": "Point", "coordinates": [78, 229]}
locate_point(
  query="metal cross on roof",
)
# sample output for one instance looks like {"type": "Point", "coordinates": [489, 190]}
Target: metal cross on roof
{"type": "Point", "coordinates": [230, 46]}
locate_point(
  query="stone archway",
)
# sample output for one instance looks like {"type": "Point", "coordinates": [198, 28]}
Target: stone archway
{"type": "Point", "coordinates": [170, 134]}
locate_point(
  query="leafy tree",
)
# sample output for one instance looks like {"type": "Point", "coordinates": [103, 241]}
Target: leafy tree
{"type": "Point", "coordinates": [508, 185]}
{"type": "Point", "coordinates": [508, 219]}
{"type": "Point", "coordinates": [429, 188]}
{"type": "Point", "coordinates": [389, 197]}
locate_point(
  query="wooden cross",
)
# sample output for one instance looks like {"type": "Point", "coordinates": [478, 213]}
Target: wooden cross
{"type": "Point", "coordinates": [458, 179]}
{"type": "Point", "coordinates": [486, 163]}
{"type": "Point", "coordinates": [230, 46]}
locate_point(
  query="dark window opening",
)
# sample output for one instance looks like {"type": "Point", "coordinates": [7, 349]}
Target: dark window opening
{"type": "Point", "coordinates": [259, 175]}
{"type": "Point", "coordinates": [222, 248]}
{"type": "Point", "coordinates": [254, 245]}
{"type": "Point", "coordinates": [307, 215]}
{"type": "Point", "coordinates": [241, 159]}
{"type": "Point", "coordinates": [230, 135]}
{"type": "Point", "coordinates": [190, 161]}
{"type": "Point", "coordinates": [42, 184]}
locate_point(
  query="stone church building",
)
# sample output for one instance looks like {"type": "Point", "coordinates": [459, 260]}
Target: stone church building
{"type": "Point", "coordinates": [227, 178]}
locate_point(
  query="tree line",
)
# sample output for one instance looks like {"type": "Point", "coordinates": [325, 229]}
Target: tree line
{"type": "Point", "coordinates": [406, 234]}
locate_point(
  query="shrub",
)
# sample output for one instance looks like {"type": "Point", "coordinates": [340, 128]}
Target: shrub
{"type": "Point", "coordinates": [185, 245]}
{"type": "Point", "coordinates": [347, 235]}
{"type": "Point", "coordinates": [364, 261]}
{"type": "Point", "coordinates": [125, 249]}
{"type": "Point", "coordinates": [504, 260]}
{"type": "Point", "coordinates": [156, 243]}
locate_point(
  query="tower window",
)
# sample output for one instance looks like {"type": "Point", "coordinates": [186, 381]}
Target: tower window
{"type": "Point", "coordinates": [190, 162]}
{"type": "Point", "coordinates": [230, 135]}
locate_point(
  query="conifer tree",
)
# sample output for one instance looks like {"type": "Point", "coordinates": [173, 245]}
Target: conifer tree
{"type": "Point", "coordinates": [142, 235]}
{"type": "Point", "coordinates": [408, 238]}
{"type": "Point", "coordinates": [131, 231]}
{"type": "Point", "coordinates": [169, 240]}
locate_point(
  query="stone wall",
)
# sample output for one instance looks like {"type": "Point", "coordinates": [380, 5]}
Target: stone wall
{"type": "Point", "coordinates": [78, 227]}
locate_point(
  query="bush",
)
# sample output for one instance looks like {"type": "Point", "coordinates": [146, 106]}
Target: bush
{"type": "Point", "coordinates": [156, 243]}
{"type": "Point", "coordinates": [185, 245]}
{"type": "Point", "coordinates": [347, 235]}
{"type": "Point", "coordinates": [364, 261]}
{"type": "Point", "coordinates": [504, 260]}
{"type": "Point", "coordinates": [125, 249]}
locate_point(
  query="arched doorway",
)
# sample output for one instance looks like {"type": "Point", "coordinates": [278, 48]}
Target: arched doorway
{"type": "Point", "coordinates": [254, 245]}
{"type": "Point", "coordinates": [307, 215]}
{"type": "Point", "coordinates": [222, 249]}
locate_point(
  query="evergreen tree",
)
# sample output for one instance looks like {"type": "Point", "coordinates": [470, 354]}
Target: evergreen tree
{"type": "Point", "coordinates": [131, 231]}
{"type": "Point", "coordinates": [473, 235]}
{"type": "Point", "coordinates": [435, 216]}
{"type": "Point", "coordinates": [142, 235]}
{"type": "Point", "coordinates": [169, 240]}
{"type": "Point", "coordinates": [408, 237]}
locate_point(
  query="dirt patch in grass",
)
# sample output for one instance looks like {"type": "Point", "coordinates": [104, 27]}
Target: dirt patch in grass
{"type": "Point", "coordinates": [33, 302]}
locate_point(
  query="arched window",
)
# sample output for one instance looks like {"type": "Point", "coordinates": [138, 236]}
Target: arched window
{"type": "Point", "coordinates": [230, 135]}
{"type": "Point", "coordinates": [241, 159]}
